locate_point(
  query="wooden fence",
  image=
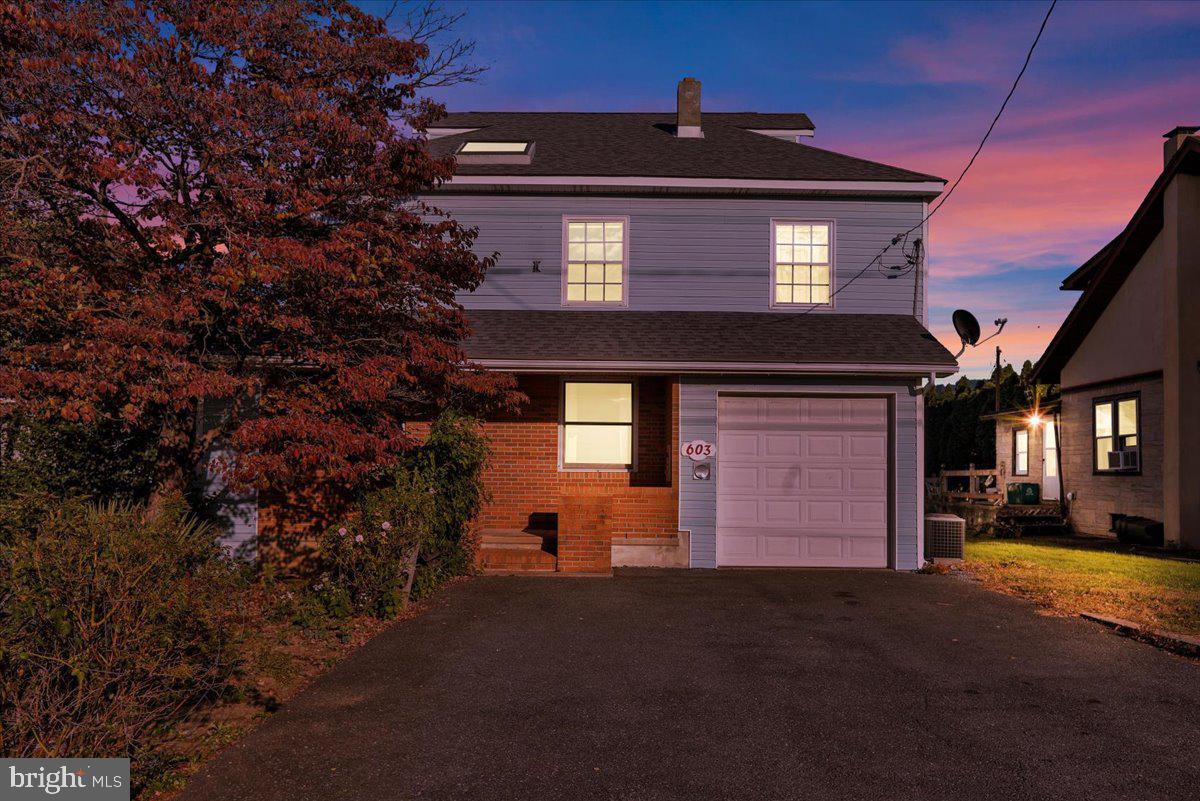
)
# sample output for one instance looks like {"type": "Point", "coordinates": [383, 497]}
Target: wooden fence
{"type": "Point", "coordinates": [978, 481]}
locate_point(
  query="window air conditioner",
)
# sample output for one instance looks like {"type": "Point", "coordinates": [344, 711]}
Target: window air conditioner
{"type": "Point", "coordinates": [1124, 460]}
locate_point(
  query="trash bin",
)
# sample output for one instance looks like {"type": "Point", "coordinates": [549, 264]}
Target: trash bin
{"type": "Point", "coordinates": [1024, 493]}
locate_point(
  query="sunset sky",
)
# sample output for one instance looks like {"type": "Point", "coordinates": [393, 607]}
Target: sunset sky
{"type": "Point", "coordinates": [911, 84]}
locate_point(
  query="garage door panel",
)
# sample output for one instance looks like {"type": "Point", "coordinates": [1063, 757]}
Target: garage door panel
{"type": "Point", "coordinates": [781, 478]}
{"type": "Point", "coordinates": [864, 512]}
{"type": "Point", "coordinates": [867, 446]}
{"type": "Point", "coordinates": [785, 513]}
{"type": "Point", "coordinates": [787, 547]}
{"type": "Point", "coordinates": [738, 478]}
{"type": "Point", "coordinates": [737, 444]}
{"type": "Point", "coordinates": [781, 444]}
{"type": "Point", "coordinates": [867, 479]}
{"type": "Point", "coordinates": [740, 512]}
{"type": "Point", "coordinates": [802, 482]}
{"type": "Point", "coordinates": [824, 446]}
{"type": "Point", "coordinates": [824, 547]}
{"type": "Point", "coordinates": [831, 479]}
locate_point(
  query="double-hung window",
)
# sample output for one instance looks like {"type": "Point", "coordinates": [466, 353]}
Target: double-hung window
{"type": "Point", "coordinates": [801, 263]}
{"type": "Point", "coordinates": [1115, 430]}
{"type": "Point", "coordinates": [1020, 451]}
{"type": "Point", "coordinates": [597, 429]}
{"type": "Point", "coordinates": [596, 255]}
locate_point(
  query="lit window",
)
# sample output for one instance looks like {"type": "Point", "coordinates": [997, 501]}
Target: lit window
{"type": "Point", "coordinates": [1115, 430]}
{"type": "Point", "coordinates": [494, 148]}
{"type": "Point", "coordinates": [1020, 452]}
{"type": "Point", "coordinates": [595, 251]}
{"type": "Point", "coordinates": [597, 424]}
{"type": "Point", "coordinates": [801, 263]}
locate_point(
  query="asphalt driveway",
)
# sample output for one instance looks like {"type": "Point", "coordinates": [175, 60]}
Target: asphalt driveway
{"type": "Point", "coordinates": [740, 685]}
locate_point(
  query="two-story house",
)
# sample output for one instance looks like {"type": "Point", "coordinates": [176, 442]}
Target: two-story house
{"type": "Point", "coordinates": [1128, 360]}
{"type": "Point", "coordinates": [720, 372]}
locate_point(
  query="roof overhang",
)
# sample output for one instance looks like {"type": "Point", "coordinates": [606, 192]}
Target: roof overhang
{"type": "Point", "coordinates": [723, 185]}
{"type": "Point", "coordinates": [710, 368]}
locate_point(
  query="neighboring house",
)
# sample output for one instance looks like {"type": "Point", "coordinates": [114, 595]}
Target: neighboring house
{"type": "Point", "coordinates": [1027, 449]}
{"type": "Point", "coordinates": [672, 279]}
{"type": "Point", "coordinates": [1128, 361]}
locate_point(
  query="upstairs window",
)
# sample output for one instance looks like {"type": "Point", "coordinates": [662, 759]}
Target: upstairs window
{"type": "Point", "coordinates": [595, 255]}
{"type": "Point", "coordinates": [1020, 451]}
{"type": "Point", "coordinates": [1115, 434]}
{"type": "Point", "coordinates": [597, 424]}
{"type": "Point", "coordinates": [801, 263]}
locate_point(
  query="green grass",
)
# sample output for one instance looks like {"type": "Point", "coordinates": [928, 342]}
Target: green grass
{"type": "Point", "coordinates": [1159, 593]}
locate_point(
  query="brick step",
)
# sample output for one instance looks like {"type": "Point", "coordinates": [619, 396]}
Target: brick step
{"type": "Point", "coordinates": [510, 538]}
{"type": "Point", "coordinates": [515, 560]}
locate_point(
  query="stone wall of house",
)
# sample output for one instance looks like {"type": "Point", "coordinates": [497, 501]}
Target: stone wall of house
{"type": "Point", "coordinates": [1098, 495]}
{"type": "Point", "coordinates": [526, 483]}
{"type": "Point", "coordinates": [1004, 452]}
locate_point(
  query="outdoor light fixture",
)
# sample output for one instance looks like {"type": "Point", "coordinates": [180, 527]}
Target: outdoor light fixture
{"type": "Point", "coordinates": [1035, 419]}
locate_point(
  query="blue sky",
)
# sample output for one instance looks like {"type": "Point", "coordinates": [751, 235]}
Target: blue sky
{"type": "Point", "coordinates": [912, 84]}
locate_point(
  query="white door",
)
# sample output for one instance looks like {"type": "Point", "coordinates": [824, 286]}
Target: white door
{"type": "Point", "coordinates": [1051, 483]}
{"type": "Point", "coordinates": [802, 482]}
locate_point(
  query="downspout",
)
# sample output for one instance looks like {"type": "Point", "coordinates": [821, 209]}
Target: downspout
{"type": "Point", "coordinates": [1062, 480]}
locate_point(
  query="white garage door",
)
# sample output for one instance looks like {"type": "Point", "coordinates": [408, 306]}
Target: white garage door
{"type": "Point", "coordinates": [802, 482]}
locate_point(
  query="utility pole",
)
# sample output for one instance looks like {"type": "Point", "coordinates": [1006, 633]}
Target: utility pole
{"type": "Point", "coordinates": [996, 379]}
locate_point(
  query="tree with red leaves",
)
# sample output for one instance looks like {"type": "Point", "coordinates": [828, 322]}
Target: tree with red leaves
{"type": "Point", "coordinates": [217, 201]}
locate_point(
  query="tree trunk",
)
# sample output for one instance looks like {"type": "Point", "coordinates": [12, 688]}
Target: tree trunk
{"type": "Point", "coordinates": [412, 573]}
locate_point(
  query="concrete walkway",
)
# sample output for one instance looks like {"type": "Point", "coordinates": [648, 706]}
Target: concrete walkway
{"type": "Point", "coordinates": [741, 685]}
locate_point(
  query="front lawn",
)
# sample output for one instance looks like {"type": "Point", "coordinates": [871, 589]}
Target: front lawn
{"type": "Point", "coordinates": [1159, 593]}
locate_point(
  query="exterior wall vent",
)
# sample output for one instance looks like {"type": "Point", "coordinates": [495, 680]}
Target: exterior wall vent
{"type": "Point", "coordinates": [944, 536]}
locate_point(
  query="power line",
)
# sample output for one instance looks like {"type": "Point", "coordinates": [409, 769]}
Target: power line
{"type": "Point", "coordinates": [942, 200]}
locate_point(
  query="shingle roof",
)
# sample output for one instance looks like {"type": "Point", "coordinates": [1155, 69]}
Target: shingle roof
{"type": "Point", "coordinates": [644, 144]}
{"type": "Point", "coordinates": [678, 337]}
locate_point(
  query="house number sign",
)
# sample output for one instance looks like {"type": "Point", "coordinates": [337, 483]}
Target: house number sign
{"type": "Point", "coordinates": [698, 450]}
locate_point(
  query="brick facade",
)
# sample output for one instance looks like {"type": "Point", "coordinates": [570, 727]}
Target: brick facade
{"type": "Point", "coordinates": [525, 481]}
{"type": "Point", "coordinates": [1098, 495]}
{"type": "Point", "coordinates": [585, 533]}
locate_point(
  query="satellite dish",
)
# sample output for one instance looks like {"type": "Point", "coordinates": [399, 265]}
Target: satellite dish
{"type": "Point", "coordinates": [967, 327]}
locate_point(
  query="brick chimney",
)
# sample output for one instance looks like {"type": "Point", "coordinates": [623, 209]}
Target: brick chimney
{"type": "Point", "coordinates": [1174, 138]}
{"type": "Point", "coordinates": [687, 120]}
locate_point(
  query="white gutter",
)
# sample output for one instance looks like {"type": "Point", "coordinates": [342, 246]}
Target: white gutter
{"type": "Point", "coordinates": [773, 368]}
{"type": "Point", "coordinates": [911, 187]}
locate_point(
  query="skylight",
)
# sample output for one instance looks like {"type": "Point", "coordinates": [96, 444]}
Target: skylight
{"type": "Point", "coordinates": [494, 148]}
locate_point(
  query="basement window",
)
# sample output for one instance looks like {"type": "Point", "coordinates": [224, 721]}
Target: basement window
{"type": "Point", "coordinates": [597, 429]}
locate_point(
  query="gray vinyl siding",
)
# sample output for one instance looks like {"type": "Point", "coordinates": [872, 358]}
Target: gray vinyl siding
{"type": "Point", "coordinates": [235, 514]}
{"type": "Point", "coordinates": [684, 253]}
{"type": "Point", "coordinates": [698, 420]}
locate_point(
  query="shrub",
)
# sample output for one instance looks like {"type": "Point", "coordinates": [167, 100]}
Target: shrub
{"type": "Point", "coordinates": [112, 624]}
{"type": "Point", "coordinates": [368, 560]}
{"type": "Point", "coordinates": [427, 504]}
{"type": "Point", "coordinates": [101, 461]}
{"type": "Point", "coordinates": [453, 456]}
